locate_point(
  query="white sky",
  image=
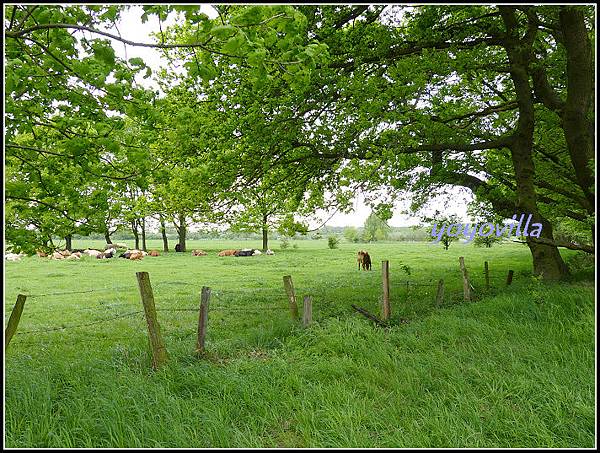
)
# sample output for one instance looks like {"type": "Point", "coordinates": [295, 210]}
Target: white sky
{"type": "Point", "coordinates": [131, 28]}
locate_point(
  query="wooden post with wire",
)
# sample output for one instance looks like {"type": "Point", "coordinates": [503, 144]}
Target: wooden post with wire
{"type": "Point", "coordinates": [439, 298]}
{"type": "Point", "coordinates": [466, 284]}
{"type": "Point", "coordinates": [386, 309]}
{"type": "Point", "coordinates": [307, 318]}
{"type": "Point", "coordinates": [289, 289]}
{"type": "Point", "coordinates": [203, 318]}
{"type": "Point", "coordinates": [159, 352]}
{"type": "Point", "coordinates": [509, 277]}
{"type": "Point", "coordinates": [13, 321]}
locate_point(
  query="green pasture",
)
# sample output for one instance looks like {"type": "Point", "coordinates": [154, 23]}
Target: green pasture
{"type": "Point", "coordinates": [513, 368]}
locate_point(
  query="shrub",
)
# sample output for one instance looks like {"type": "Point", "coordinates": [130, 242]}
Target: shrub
{"type": "Point", "coordinates": [487, 241]}
{"type": "Point", "coordinates": [581, 261]}
{"type": "Point", "coordinates": [285, 242]}
{"type": "Point", "coordinates": [332, 242]}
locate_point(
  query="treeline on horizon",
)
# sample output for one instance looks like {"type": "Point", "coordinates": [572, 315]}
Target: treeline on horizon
{"type": "Point", "coordinates": [394, 234]}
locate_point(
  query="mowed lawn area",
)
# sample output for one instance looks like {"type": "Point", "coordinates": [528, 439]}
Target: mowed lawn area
{"type": "Point", "coordinates": [513, 368]}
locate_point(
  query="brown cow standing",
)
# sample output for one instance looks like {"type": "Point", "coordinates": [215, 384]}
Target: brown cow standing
{"type": "Point", "coordinates": [364, 259]}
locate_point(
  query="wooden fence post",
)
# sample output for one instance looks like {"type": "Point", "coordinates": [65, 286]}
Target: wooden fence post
{"type": "Point", "coordinates": [439, 299]}
{"type": "Point", "coordinates": [289, 289]}
{"type": "Point", "coordinates": [509, 277]}
{"type": "Point", "coordinates": [159, 352]}
{"type": "Point", "coordinates": [307, 318]}
{"type": "Point", "coordinates": [386, 309]}
{"type": "Point", "coordinates": [203, 318]}
{"type": "Point", "coordinates": [14, 319]}
{"type": "Point", "coordinates": [486, 270]}
{"type": "Point", "coordinates": [466, 285]}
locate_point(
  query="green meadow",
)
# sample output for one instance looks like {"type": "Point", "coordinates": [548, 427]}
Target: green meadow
{"type": "Point", "coordinates": [512, 368]}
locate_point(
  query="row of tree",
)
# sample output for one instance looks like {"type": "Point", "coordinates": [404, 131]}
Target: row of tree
{"type": "Point", "coordinates": [281, 110]}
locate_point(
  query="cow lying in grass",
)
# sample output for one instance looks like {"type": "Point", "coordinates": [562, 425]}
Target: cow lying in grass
{"type": "Point", "coordinates": [14, 256]}
{"type": "Point", "coordinates": [364, 260]}
{"type": "Point", "coordinates": [199, 253]}
{"type": "Point", "coordinates": [227, 253]}
{"type": "Point", "coordinates": [133, 254]}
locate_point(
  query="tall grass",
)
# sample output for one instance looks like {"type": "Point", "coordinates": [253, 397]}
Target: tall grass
{"type": "Point", "coordinates": [513, 369]}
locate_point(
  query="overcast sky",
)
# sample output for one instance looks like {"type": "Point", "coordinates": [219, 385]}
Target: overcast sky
{"type": "Point", "coordinates": [130, 26]}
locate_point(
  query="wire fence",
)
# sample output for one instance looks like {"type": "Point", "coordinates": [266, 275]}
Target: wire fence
{"type": "Point", "coordinates": [255, 300]}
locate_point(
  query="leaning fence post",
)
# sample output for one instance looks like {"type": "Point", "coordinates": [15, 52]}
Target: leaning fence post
{"type": "Point", "coordinates": [289, 289]}
{"type": "Point", "coordinates": [509, 277]}
{"type": "Point", "coordinates": [439, 299]}
{"type": "Point", "coordinates": [466, 285]}
{"type": "Point", "coordinates": [386, 311]}
{"type": "Point", "coordinates": [159, 352]}
{"type": "Point", "coordinates": [307, 318]}
{"type": "Point", "coordinates": [203, 318]}
{"type": "Point", "coordinates": [486, 270]}
{"type": "Point", "coordinates": [14, 319]}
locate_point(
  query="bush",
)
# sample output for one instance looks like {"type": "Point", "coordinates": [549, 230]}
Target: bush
{"type": "Point", "coordinates": [285, 243]}
{"type": "Point", "coordinates": [581, 261]}
{"type": "Point", "coordinates": [487, 241]}
{"type": "Point", "coordinates": [332, 242]}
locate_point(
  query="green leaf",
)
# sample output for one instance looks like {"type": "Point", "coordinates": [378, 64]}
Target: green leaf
{"type": "Point", "coordinates": [222, 31]}
{"type": "Point", "coordinates": [257, 57]}
{"type": "Point", "coordinates": [235, 43]}
{"type": "Point", "coordinates": [136, 61]}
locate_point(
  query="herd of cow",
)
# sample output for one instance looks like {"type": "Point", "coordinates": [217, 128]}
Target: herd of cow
{"type": "Point", "coordinates": [110, 251]}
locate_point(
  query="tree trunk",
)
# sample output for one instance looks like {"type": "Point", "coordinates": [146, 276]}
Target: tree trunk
{"type": "Point", "coordinates": [68, 242]}
{"type": "Point", "coordinates": [547, 261]}
{"type": "Point", "coordinates": [163, 232]}
{"type": "Point", "coordinates": [580, 96]}
{"type": "Point", "coordinates": [134, 229]}
{"type": "Point", "coordinates": [265, 235]}
{"type": "Point", "coordinates": [181, 231]}
{"type": "Point", "coordinates": [144, 234]}
{"type": "Point", "coordinates": [107, 237]}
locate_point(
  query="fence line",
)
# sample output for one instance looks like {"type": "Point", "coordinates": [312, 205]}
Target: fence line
{"type": "Point", "coordinates": [227, 295]}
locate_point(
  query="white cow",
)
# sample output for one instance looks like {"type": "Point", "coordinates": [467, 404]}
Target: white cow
{"type": "Point", "coordinates": [270, 252]}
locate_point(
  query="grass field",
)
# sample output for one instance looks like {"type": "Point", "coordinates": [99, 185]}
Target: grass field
{"type": "Point", "coordinates": [514, 368]}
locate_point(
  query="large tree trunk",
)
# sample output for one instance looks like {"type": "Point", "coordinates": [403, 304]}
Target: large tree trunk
{"type": "Point", "coordinates": [144, 234]}
{"type": "Point", "coordinates": [163, 232]}
{"type": "Point", "coordinates": [547, 261]}
{"type": "Point", "coordinates": [107, 237]}
{"type": "Point", "coordinates": [136, 235]}
{"type": "Point", "coordinates": [68, 242]}
{"type": "Point", "coordinates": [265, 234]}
{"type": "Point", "coordinates": [580, 95]}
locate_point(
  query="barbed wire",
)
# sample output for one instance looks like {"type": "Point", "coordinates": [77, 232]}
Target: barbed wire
{"type": "Point", "coordinates": [250, 309]}
{"type": "Point", "coordinates": [99, 321]}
